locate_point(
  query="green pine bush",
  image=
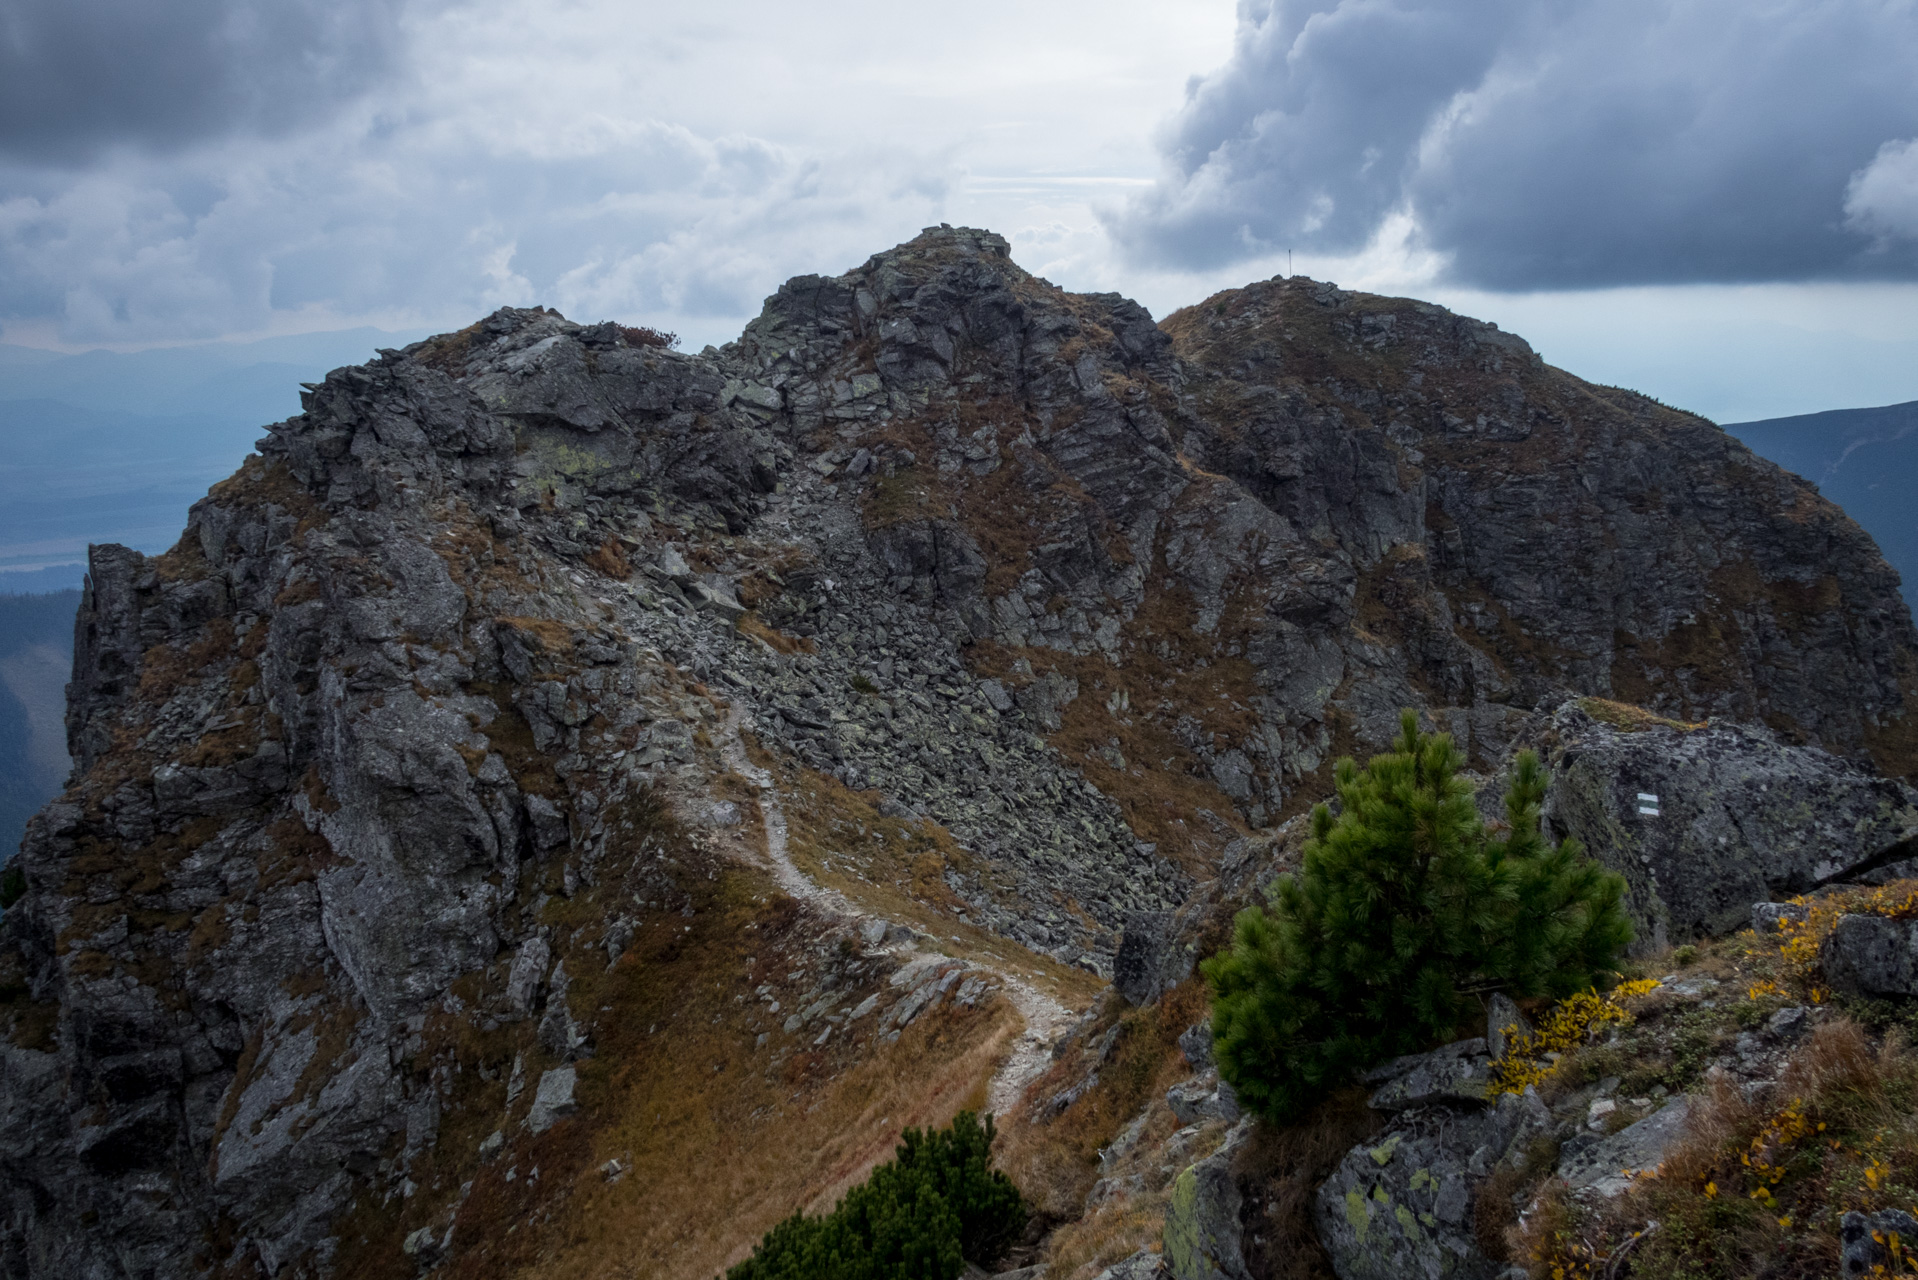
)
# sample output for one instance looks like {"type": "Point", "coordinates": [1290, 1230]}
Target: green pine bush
{"type": "Point", "coordinates": [1407, 908]}
{"type": "Point", "coordinates": [920, 1216]}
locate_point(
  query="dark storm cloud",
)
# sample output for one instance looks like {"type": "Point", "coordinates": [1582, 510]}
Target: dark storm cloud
{"type": "Point", "coordinates": [79, 76]}
{"type": "Point", "coordinates": [1548, 145]}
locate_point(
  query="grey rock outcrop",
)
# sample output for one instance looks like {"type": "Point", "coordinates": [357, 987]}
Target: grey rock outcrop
{"type": "Point", "coordinates": [1739, 817]}
{"type": "Point", "coordinates": [1206, 1098]}
{"type": "Point", "coordinates": [1460, 1072]}
{"type": "Point", "coordinates": [1503, 1020]}
{"type": "Point", "coordinates": [1152, 958]}
{"type": "Point", "coordinates": [1872, 954]}
{"type": "Point", "coordinates": [1775, 917]}
{"type": "Point", "coordinates": [1204, 1239]}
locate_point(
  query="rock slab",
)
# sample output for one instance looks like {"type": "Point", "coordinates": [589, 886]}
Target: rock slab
{"type": "Point", "coordinates": [1873, 955]}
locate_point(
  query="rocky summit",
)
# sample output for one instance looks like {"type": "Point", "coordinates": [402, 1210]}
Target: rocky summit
{"type": "Point", "coordinates": [567, 803]}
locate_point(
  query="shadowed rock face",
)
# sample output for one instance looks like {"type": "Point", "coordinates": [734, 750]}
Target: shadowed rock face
{"type": "Point", "coordinates": [1097, 596]}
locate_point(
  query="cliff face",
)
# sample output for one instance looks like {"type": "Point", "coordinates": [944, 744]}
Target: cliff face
{"type": "Point", "coordinates": [536, 683]}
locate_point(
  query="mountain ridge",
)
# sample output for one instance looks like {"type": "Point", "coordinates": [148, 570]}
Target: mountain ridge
{"type": "Point", "coordinates": [407, 790]}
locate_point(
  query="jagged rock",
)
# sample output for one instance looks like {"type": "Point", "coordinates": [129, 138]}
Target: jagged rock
{"type": "Point", "coordinates": [1195, 1042]}
{"type": "Point", "coordinates": [1866, 1240]}
{"type": "Point", "coordinates": [1143, 1265]}
{"type": "Point", "coordinates": [1457, 1072]}
{"type": "Point", "coordinates": [1872, 954]}
{"type": "Point", "coordinates": [1740, 817]}
{"type": "Point", "coordinates": [1203, 1237]}
{"type": "Point", "coordinates": [1198, 1101]}
{"type": "Point", "coordinates": [554, 1099]}
{"type": "Point", "coordinates": [1607, 1166]}
{"type": "Point", "coordinates": [1402, 1206]}
{"type": "Point", "coordinates": [1502, 1018]}
{"type": "Point", "coordinates": [528, 973]}
{"type": "Point", "coordinates": [1152, 958]}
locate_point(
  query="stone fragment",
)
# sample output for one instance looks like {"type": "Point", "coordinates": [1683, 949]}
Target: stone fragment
{"type": "Point", "coordinates": [1143, 1265]}
{"type": "Point", "coordinates": [1867, 1241]}
{"type": "Point", "coordinates": [1152, 958]}
{"type": "Point", "coordinates": [674, 565]}
{"type": "Point", "coordinates": [553, 1099]}
{"type": "Point", "coordinates": [528, 972]}
{"type": "Point", "coordinates": [1199, 1101]}
{"type": "Point", "coordinates": [1203, 1236]}
{"type": "Point", "coordinates": [1874, 955]}
{"type": "Point", "coordinates": [1608, 1166]}
{"type": "Point", "coordinates": [1195, 1042]}
{"type": "Point", "coordinates": [1503, 1018]}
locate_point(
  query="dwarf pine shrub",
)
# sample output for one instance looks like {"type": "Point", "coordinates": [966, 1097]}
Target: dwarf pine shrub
{"type": "Point", "coordinates": [921, 1216]}
{"type": "Point", "coordinates": [1405, 910]}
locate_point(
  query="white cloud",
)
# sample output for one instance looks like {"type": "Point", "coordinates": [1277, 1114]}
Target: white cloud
{"type": "Point", "coordinates": [1882, 199]}
{"type": "Point", "coordinates": [665, 167]}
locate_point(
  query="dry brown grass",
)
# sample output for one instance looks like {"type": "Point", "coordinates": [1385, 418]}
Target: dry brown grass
{"type": "Point", "coordinates": [1286, 1165]}
{"type": "Point", "coordinates": [1054, 1155]}
{"type": "Point", "coordinates": [1630, 719]}
{"type": "Point", "coordinates": [609, 558]}
{"type": "Point", "coordinates": [1110, 1233]}
{"type": "Point", "coordinates": [750, 625]}
{"type": "Point", "coordinates": [1756, 1187]}
{"type": "Point", "coordinates": [722, 1137]}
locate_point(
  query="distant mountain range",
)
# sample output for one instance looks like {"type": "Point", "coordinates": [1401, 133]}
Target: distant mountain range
{"type": "Point", "coordinates": [1865, 460]}
{"type": "Point", "coordinates": [112, 447]}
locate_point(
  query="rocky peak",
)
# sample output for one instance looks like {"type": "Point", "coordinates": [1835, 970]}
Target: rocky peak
{"type": "Point", "coordinates": [538, 684]}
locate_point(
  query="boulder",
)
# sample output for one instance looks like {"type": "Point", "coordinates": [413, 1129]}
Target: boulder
{"type": "Point", "coordinates": [1771, 917]}
{"type": "Point", "coordinates": [1203, 1237]}
{"type": "Point", "coordinates": [1143, 1265]}
{"type": "Point", "coordinates": [1608, 1166]}
{"type": "Point", "coordinates": [1737, 816]}
{"type": "Point", "coordinates": [1872, 955]}
{"type": "Point", "coordinates": [1152, 957]}
{"type": "Point", "coordinates": [1867, 1242]}
{"type": "Point", "coordinates": [1402, 1207]}
{"type": "Point", "coordinates": [1206, 1098]}
{"type": "Point", "coordinates": [1195, 1042]}
{"type": "Point", "coordinates": [553, 1099]}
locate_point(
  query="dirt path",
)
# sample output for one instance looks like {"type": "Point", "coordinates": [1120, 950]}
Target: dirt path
{"type": "Point", "coordinates": [1044, 1016]}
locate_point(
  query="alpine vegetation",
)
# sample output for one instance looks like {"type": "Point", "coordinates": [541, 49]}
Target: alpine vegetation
{"type": "Point", "coordinates": [923, 1215]}
{"type": "Point", "coordinates": [1406, 907]}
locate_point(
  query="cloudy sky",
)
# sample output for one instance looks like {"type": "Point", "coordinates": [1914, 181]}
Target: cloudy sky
{"type": "Point", "coordinates": [1713, 200]}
